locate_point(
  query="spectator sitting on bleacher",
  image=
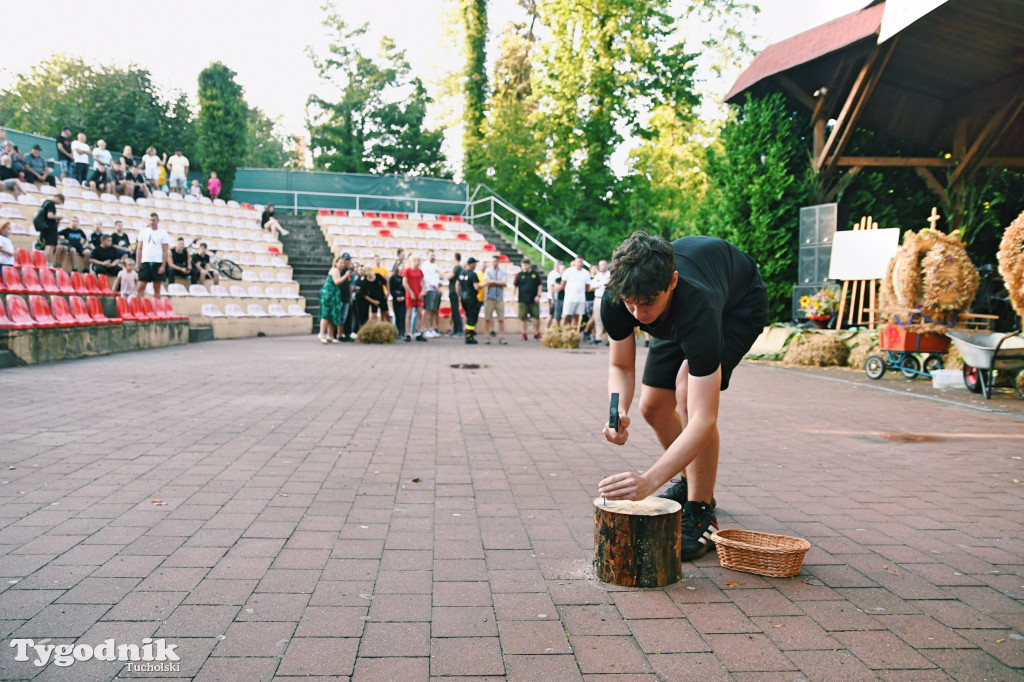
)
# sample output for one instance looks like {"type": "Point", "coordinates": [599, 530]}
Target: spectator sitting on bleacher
{"type": "Point", "coordinates": [76, 245]}
{"type": "Point", "coordinates": [16, 161]}
{"type": "Point", "coordinates": [152, 253]}
{"type": "Point", "coordinates": [121, 241]}
{"type": "Point", "coordinates": [177, 165]}
{"type": "Point", "coordinates": [64, 155]}
{"type": "Point", "coordinates": [36, 168]}
{"type": "Point", "coordinates": [202, 271]}
{"type": "Point", "coordinates": [139, 182]}
{"type": "Point", "coordinates": [46, 222]}
{"type": "Point", "coordinates": [81, 152]}
{"type": "Point", "coordinates": [105, 258]}
{"type": "Point", "coordinates": [121, 179]}
{"type": "Point", "coordinates": [99, 178]}
{"type": "Point", "coordinates": [127, 280]}
{"type": "Point", "coordinates": [269, 222]}
{"type": "Point", "coordinates": [181, 262]}
{"type": "Point", "coordinates": [213, 185]}
{"type": "Point", "coordinates": [6, 246]}
{"type": "Point", "coordinates": [9, 178]}
{"type": "Point", "coordinates": [151, 164]}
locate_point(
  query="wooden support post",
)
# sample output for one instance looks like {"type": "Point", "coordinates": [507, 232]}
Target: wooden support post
{"type": "Point", "coordinates": [637, 544]}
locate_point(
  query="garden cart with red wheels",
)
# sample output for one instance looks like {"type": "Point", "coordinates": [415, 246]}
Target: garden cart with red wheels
{"type": "Point", "coordinates": [899, 351]}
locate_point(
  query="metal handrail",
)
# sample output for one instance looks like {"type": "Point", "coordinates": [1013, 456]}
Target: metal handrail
{"type": "Point", "coordinates": [496, 199]}
{"type": "Point", "coordinates": [458, 205]}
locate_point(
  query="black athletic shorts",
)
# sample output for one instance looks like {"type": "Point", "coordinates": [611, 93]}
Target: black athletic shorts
{"type": "Point", "coordinates": [49, 235]}
{"type": "Point", "coordinates": [740, 328]}
{"type": "Point", "coordinates": [149, 272]}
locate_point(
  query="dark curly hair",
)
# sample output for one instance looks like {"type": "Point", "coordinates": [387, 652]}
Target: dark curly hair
{"type": "Point", "coordinates": [641, 268]}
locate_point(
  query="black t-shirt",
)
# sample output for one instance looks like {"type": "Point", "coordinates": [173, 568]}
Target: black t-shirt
{"type": "Point", "coordinates": [8, 173]}
{"type": "Point", "coordinates": [41, 222]}
{"type": "Point", "coordinates": [455, 276]}
{"type": "Point", "coordinates": [528, 284]}
{"type": "Point", "coordinates": [180, 258]}
{"type": "Point", "coordinates": [74, 235]}
{"type": "Point", "coordinates": [373, 288]}
{"type": "Point", "coordinates": [345, 288]}
{"type": "Point", "coordinates": [65, 144]}
{"type": "Point", "coordinates": [104, 253]}
{"type": "Point", "coordinates": [561, 293]}
{"type": "Point", "coordinates": [396, 287]}
{"type": "Point", "coordinates": [201, 260]}
{"type": "Point", "coordinates": [714, 279]}
{"type": "Point", "coordinates": [467, 278]}
{"type": "Point", "coordinates": [121, 240]}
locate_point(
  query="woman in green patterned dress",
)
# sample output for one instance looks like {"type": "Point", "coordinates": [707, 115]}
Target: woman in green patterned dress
{"type": "Point", "coordinates": [335, 297]}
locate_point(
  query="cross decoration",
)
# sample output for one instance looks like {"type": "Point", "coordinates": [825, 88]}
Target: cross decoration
{"type": "Point", "coordinates": [933, 218]}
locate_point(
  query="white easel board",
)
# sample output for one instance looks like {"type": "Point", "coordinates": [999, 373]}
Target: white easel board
{"type": "Point", "coordinates": [862, 254]}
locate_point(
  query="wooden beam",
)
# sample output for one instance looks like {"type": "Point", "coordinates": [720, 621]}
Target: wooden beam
{"type": "Point", "coordinates": [868, 90]}
{"type": "Point", "coordinates": [794, 90]}
{"type": "Point", "coordinates": [933, 184]}
{"type": "Point", "coordinates": [983, 99]}
{"type": "Point", "coordinates": [843, 183]}
{"type": "Point", "coordinates": [893, 161]}
{"type": "Point", "coordinates": [855, 91]}
{"type": "Point", "coordinates": [993, 130]}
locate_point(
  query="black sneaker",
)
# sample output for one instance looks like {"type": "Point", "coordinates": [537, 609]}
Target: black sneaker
{"type": "Point", "coordinates": [699, 523]}
{"type": "Point", "coordinates": [407, 338]}
{"type": "Point", "coordinates": [420, 337]}
{"type": "Point", "coordinates": [678, 491]}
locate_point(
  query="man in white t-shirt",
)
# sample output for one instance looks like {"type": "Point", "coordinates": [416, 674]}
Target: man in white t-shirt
{"type": "Point", "coordinates": [152, 252]}
{"type": "Point", "coordinates": [597, 284]}
{"type": "Point", "coordinates": [99, 178]}
{"type": "Point", "coordinates": [575, 284]}
{"type": "Point", "coordinates": [177, 172]}
{"type": "Point", "coordinates": [81, 153]}
{"type": "Point", "coordinates": [431, 296]}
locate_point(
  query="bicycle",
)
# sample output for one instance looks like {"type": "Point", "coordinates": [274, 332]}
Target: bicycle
{"type": "Point", "coordinates": [224, 266]}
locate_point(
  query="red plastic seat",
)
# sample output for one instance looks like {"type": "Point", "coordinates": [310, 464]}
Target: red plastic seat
{"type": "Point", "coordinates": [503, 258]}
{"type": "Point", "coordinates": [157, 308]}
{"type": "Point", "coordinates": [41, 312]}
{"type": "Point", "coordinates": [92, 286]}
{"type": "Point", "coordinates": [95, 308]}
{"type": "Point", "coordinates": [48, 281]}
{"type": "Point", "coordinates": [422, 226]}
{"type": "Point", "coordinates": [146, 305]}
{"type": "Point", "coordinates": [443, 218]}
{"type": "Point", "coordinates": [246, 205]}
{"type": "Point", "coordinates": [30, 277]}
{"type": "Point", "coordinates": [79, 312]}
{"type": "Point", "coordinates": [392, 223]}
{"type": "Point", "coordinates": [273, 249]}
{"type": "Point", "coordinates": [20, 317]}
{"type": "Point", "coordinates": [62, 312]}
{"type": "Point", "coordinates": [341, 214]}
{"type": "Point", "coordinates": [386, 215]}
{"type": "Point", "coordinates": [401, 216]}
{"type": "Point", "coordinates": [462, 236]}
{"type": "Point", "coordinates": [457, 219]}
{"type": "Point", "coordinates": [490, 247]}
{"type": "Point", "coordinates": [64, 282]}
{"type": "Point", "coordinates": [169, 309]}
{"type": "Point", "coordinates": [124, 309]}
{"type": "Point", "coordinates": [376, 223]}
{"type": "Point", "coordinates": [384, 233]}
{"type": "Point", "coordinates": [22, 259]}
{"type": "Point", "coordinates": [12, 281]}
{"type": "Point", "coordinates": [104, 286]}
{"type": "Point", "coordinates": [323, 211]}
{"type": "Point", "coordinates": [438, 226]}
{"type": "Point", "coordinates": [369, 214]}
{"type": "Point", "coordinates": [39, 260]}
{"type": "Point", "coordinates": [78, 282]}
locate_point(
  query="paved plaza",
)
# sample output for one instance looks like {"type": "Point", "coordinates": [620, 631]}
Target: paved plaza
{"type": "Point", "coordinates": [274, 509]}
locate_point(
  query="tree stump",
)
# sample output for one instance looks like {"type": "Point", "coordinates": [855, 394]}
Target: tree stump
{"type": "Point", "coordinates": [637, 544]}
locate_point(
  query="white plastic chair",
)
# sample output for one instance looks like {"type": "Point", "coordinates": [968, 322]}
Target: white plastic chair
{"type": "Point", "coordinates": [210, 310]}
{"type": "Point", "coordinates": [250, 276]}
{"type": "Point", "coordinates": [237, 291]}
{"type": "Point", "coordinates": [198, 290]}
{"type": "Point", "coordinates": [272, 292]}
{"type": "Point", "coordinates": [234, 310]}
{"type": "Point", "coordinates": [256, 310]}
{"type": "Point", "coordinates": [295, 310]}
{"type": "Point", "coordinates": [274, 310]}
{"type": "Point", "coordinates": [218, 290]}
{"type": "Point", "coordinates": [177, 290]}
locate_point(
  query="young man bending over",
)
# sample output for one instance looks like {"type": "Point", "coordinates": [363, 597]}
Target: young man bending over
{"type": "Point", "coordinates": [704, 304]}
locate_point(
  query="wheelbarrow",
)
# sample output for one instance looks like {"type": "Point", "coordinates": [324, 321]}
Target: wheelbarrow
{"type": "Point", "coordinates": [987, 354]}
{"type": "Point", "coordinates": [900, 349]}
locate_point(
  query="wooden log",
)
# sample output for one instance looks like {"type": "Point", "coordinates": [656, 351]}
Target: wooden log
{"type": "Point", "coordinates": [637, 544]}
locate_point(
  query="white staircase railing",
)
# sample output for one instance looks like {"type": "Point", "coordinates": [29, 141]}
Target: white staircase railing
{"type": "Point", "coordinates": [485, 206]}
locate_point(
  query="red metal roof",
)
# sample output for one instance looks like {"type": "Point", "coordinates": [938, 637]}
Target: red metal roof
{"type": "Point", "coordinates": [810, 45]}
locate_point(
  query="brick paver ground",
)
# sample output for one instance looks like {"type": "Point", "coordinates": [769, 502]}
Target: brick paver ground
{"type": "Point", "coordinates": [278, 509]}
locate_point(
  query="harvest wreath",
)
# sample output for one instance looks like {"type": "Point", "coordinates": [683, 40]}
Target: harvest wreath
{"type": "Point", "coordinates": [1011, 263]}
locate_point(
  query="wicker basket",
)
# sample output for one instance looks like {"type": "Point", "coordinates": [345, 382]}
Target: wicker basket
{"type": "Point", "coordinates": [778, 556]}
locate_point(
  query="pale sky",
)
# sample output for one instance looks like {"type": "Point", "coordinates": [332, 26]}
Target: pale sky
{"type": "Point", "coordinates": [264, 41]}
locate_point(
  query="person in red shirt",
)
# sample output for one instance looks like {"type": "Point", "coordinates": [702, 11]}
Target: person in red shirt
{"type": "Point", "coordinates": [412, 279]}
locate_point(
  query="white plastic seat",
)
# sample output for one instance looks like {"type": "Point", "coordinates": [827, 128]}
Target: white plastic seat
{"type": "Point", "coordinates": [284, 278]}
{"type": "Point", "coordinates": [277, 261]}
{"type": "Point", "coordinates": [219, 202]}
{"type": "Point", "coordinates": [210, 310]}
{"type": "Point", "coordinates": [198, 290]}
{"type": "Point", "coordinates": [218, 290]}
{"type": "Point", "coordinates": [287, 292]}
{"type": "Point", "coordinates": [266, 277]}
{"type": "Point", "coordinates": [274, 310]}
{"type": "Point", "coordinates": [250, 276]}
{"type": "Point", "coordinates": [272, 292]}
{"type": "Point", "coordinates": [232, 203]}
{"type": "Point", "coordinates": [237, 291]}
{"type": "Point", "coordinates": [28, 200]}
{"type": "Point", "coordinates": [255, 292]}
{"type": "Point", "coordinates": [6, 212]}
{"type": "Point", "coordinates": [256, 310]}
{"type": "Point", "coordinates": [46, 189]}
{"type": "Point", "coordinates": [177, 290]}
{"type": "Point", "coordinates": [295, 310]}
{"type": "Point", "coordinates": [70, 182]}
{"type": "Point", "coordinates": [234, 310]}
{"type": "Point", "coordinates": [107, 196]}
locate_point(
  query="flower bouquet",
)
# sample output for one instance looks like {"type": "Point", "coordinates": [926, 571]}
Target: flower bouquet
{"type": "Point", "coordinates": [821, 306]}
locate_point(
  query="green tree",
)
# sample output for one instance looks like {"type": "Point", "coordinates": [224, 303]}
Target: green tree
{"type": "Point", "coordinates": [222, 124]}
{"type": "Point", "coordinates": [474, 22]}
{"type": "Point", "coordinates": [264, 144]}
{"type": "Point", "coordinates": [122, 106]}
{"type": "Point", "coordinates": [757, 182]}
{"type": "Point", "coordinates": [375, 124]}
